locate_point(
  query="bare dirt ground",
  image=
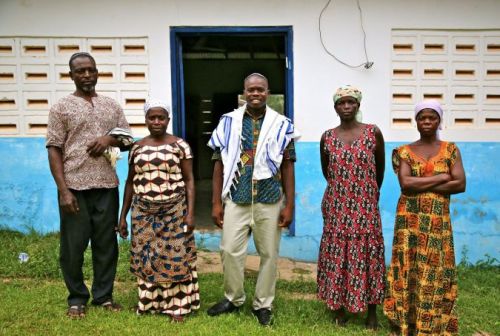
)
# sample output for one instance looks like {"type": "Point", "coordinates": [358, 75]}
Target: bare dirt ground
{"type": "Point", "coordinates": [209, 262]}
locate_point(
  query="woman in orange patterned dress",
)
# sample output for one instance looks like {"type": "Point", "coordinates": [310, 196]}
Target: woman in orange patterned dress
{"type": "Point", "coordinates": [421, 280]}
{"type": "Point", "coordinates": [160, 190]}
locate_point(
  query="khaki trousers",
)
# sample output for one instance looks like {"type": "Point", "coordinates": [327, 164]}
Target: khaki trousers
{"type": "Point", "coordinates": [239, 222]}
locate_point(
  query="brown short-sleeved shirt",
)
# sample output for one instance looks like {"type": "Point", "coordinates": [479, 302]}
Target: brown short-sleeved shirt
{"type": "Point", "coordinates": [73, 124]}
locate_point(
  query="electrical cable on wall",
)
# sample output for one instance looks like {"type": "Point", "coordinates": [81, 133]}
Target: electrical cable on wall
{"type": "Point", "coordinates": [366, 64]}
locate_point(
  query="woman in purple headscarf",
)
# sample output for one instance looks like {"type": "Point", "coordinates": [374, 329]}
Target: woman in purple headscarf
{"type": "Point", "coordinates": [421, 280]}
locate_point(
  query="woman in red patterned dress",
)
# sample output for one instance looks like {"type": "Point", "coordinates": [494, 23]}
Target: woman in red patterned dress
{"type": "Point", "coordinates": [351, 265]}
{"type": "Point", "coordinates": [160, 190]}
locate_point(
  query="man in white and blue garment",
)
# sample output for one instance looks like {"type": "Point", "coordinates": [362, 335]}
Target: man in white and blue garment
{"type": "Point", "coordinates": [253, 192]}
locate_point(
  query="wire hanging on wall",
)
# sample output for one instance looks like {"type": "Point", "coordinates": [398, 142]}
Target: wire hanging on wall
{"type": "Point", "coordinates": [367, 64]}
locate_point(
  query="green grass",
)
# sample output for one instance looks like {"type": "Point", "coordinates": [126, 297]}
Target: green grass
{"type": "Point", "coordinates": [33, 301]}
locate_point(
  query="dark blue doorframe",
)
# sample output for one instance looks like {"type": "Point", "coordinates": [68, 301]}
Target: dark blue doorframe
{"type": "Point", "coordinates": [176, 35]}
{"type": "Point", "coordinates": [177, 72]}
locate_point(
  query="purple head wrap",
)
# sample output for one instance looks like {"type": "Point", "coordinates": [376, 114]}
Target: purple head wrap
{"type": "Point", "coordinates": [430, 104]}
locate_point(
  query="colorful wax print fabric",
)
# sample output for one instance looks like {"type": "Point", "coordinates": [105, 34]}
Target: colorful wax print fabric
{"type": "Point", "coordinates": [422, 286]}
{"type": "Point", "coordinates": [351, 265]}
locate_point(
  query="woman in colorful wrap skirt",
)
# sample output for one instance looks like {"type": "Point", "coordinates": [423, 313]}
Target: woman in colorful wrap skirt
{"type": "Point", "coordinates": [160, 190]}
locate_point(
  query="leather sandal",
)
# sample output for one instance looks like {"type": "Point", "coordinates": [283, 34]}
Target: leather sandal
{"type": "Point", "coordinates": [76, 311]}
{"type": "Point", "coordinates": [177, 318]}
{"type": "Point", "coordinates": [110, 305]}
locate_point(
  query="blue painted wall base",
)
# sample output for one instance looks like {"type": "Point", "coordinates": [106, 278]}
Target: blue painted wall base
{"type": "Point", "coordinates": [28, 199]}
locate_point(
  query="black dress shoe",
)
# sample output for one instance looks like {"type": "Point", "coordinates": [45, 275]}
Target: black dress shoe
{"type": "Point", "coordinates": [223, 307]}
{"type": "Point", "coordinates": [264, 316]}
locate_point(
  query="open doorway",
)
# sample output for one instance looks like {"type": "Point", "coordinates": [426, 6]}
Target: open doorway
{"type": "Point", "coordinates": [208, 68]}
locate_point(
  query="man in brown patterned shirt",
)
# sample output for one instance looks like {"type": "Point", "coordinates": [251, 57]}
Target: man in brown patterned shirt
{"type": "Point", "coordinates": [82, 128]}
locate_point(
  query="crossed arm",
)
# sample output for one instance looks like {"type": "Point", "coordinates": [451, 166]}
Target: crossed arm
{"type": "Point", "coordinates": [452, 183]}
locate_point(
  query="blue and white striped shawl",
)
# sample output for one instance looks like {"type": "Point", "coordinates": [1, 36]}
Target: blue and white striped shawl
{"type": "Point", "coordinates": [276, 133]}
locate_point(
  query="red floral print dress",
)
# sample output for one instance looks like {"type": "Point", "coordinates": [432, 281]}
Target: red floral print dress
{"type": "Point", "coordinates": [351, 258]}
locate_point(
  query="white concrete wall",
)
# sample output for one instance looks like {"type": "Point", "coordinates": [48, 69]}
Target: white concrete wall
{"type": "Point", "coordinates": [316, 74]}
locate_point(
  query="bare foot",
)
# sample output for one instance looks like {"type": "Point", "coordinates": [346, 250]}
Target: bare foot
{"type": "Point", "coordinates": [395, 330]}
{"type": "Point", "coordinates": [371, 322]}
{"type": "Point", "coordinates": [340, 317]}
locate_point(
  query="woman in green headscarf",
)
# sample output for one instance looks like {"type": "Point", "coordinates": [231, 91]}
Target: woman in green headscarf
{"type": "Point", "coordinates": [351, 265]}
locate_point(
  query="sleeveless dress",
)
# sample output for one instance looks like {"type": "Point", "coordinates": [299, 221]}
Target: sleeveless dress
{"type": "Point", "coordinates": [351, 258]}
{"type": "Point", "coordinates": [421, 281]}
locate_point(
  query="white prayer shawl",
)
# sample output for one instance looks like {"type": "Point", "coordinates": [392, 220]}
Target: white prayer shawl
{"type": "Point", "coordinates": [276, 133]}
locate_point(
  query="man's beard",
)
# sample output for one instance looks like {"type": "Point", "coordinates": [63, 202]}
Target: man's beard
{"type": "Point", "coordinates": [88, 88]}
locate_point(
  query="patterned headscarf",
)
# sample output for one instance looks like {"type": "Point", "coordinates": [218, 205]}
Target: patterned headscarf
{"type": "Point", "coordinates": [349, 91]}
{"type": "Point", "coordinates": [156, 103]}
{"type": "Point", "coordinates": [433, 105]}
